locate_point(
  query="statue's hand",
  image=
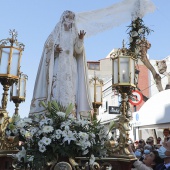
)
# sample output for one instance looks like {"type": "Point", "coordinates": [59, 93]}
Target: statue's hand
{"type": "Point", "coordinates": [58, 49]}
{"type": "Point", "coordinates": [82, 34]}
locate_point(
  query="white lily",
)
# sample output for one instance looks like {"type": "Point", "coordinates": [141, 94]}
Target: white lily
{"type": "Point", "coordinates": [68, 136]}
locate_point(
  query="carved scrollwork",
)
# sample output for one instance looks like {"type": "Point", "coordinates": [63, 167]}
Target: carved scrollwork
{"type": "Point", "coordinates": [6, 142]}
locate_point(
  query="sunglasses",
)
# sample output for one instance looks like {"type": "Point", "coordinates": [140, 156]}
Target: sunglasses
{"type": "Point", "coordinates": [140, 141]}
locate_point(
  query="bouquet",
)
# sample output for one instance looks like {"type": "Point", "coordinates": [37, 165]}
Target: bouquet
{"type": "Point", "coordinates": [55, 135]}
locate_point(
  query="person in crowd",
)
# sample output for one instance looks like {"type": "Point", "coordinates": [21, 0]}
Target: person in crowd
{"type": "Point", "coordinates": [147, 150]}
{"type": "Point", "coordinates": [159, 141]}
{"type": "Point", "coordinates": [150, 141]}
{"type": "Point", "coordinates": [136, 143]}
{"type": "Point", "coordinates": [141, 143]}
{"type": "Point", "coordinates": [164, 153]}
{"type": "Point", "coordinates": [149, 162]}
{"type": "Point", "coordinates": [166, 133]}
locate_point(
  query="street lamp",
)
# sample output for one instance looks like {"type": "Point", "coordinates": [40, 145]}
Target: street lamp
{"type": "Point", "coordinates": [18, 91]}
{"type": "Point", "coordinates": [123, 80]}
{"type": "Point", "coordinates": [96, 93]}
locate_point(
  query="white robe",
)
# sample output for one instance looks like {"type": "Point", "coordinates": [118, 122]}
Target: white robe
{"type": "Point", "coordinates": [62, 77]}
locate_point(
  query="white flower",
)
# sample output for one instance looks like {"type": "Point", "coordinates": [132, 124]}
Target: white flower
{"type": "Point", "coordinates": [43, 122]}
{"type": "Point", "coordinates": [42, 148]}
{"type": "Point", "coordinates": [40, 143]}
{"type": "Point", "coordinates": [130, 39]}
{"type": "Point", "coordinates": [57, 136]}
{"type": "Point", "coordinates": [22, 131]}
{"type": "Point", "coordinates": [33, 130]}
{"type": "Point", "coordinates": [8, 132]}
{"type": "Point", "coordinates": [30, 159]}
{"type": "Point", "coordinates": [84, 144]}
{"type": "Point", "coordinates": [40, 132]}
{"type": "Point", "coordinates": [134, 34]}
{"type": "Point", "coordinates": [83, 136]}
{"type": "Point", "coordinates": [68, 136]}
{"type": "Point", "coordinates": [82, 122]}
{"type": "Point", "coordinates": [50, 121]}
{"type": "Point", "coordinates": [27, 120]}
{"type": "Point", "coordinates": [92, 159]}
{"type": "Point", "coordinates": [92, 135]}
{"type": "Point", "coordinates": [85, 152]}
{"type": "Point", "coordinates": [134, 25]}
{"type": "Point", "coordinates": [71, 116]}
{"type": "Point", "coordinates": [46, 140]}
{"type": "Point", "coordinates": [21, 154]}
{"type": "Point", "coordinates": [15, 131]}
{"type": "Point", "coordinates": [67, 128]}
{"type": "Point", "coordinates": [58, 132]}
{"type": "Point", "coordinates": [66, 123]}
{"type": "Point", "coordinates": [28, 135]}
{"type": "Point", "coordinates": [140, 30]}
{"type": "Point", "coordinates": [47, 129]}
{"type": "Point", "coordinates": [61, 114]}
{"type": "Point", "coordinates": [21, 124]}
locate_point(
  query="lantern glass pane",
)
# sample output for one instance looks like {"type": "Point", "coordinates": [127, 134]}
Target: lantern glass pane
{"type": "Point", "coordinates": [132, 70]}
{"type": "Point", "coordinates": [22, 87]}
{"type": "Point", "coordinates": [124, 70]}
{"type": "Point", "coordinates": [92, 92]}
{"type": "Point", "coordinates": [4, 57]}
{"type": "Point", "coordinates": [15, 89]}
{"type": "Point", "coordinates": [14, 63]}
{"type": "Point", "coordinates": [115, 71]}
{"type": "Point", "coordinates": [98, 93]}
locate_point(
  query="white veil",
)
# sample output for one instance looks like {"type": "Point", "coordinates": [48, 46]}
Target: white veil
{"type": "Point", "coordinates": [103, 19]}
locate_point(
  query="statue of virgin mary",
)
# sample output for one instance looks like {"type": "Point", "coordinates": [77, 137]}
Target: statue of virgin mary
{"type": "Point", "coordinates": [62, 73]}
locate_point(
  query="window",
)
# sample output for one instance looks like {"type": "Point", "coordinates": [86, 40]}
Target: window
{"type": "Point", "coordinates": [93, 65]}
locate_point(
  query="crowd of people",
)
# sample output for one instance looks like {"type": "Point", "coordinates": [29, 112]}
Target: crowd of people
{"type": "Point", "coordinates": [152, 155]}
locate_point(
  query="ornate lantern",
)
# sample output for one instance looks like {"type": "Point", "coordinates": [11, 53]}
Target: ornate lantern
{"type": "Point", "coordinates": [123, 80]}
{"type": "Point", "coordinates": [10, 57]}
{"type": "Point", "coordinates": [96, 93]}
{"type": "Point", "coordinates": [18, 91]}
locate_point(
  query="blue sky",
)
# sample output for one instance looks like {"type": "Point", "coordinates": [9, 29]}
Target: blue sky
{"type": "Point", "coordinates": [34, 20]}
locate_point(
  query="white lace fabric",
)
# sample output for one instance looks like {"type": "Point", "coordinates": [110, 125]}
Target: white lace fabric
{"type": "Point", "coordinates": [96, 21]}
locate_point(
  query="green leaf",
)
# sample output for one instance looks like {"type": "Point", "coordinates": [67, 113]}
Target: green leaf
{"type": "Point", "coordinates": [42, 103]}
{"type": "Point", "coordinates": [111, 125]}
{"type": "Point", "coordinates": [55, 105]}
{"type": "Point", "coordinates": [49, 106]}
{"type": "Point", "coordinates": [69, 109]}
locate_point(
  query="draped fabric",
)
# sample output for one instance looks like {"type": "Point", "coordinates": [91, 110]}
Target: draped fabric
{"type": "Point", "coordinates": [96, 21]}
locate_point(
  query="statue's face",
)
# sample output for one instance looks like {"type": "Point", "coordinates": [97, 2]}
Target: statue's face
{"type": "Point", "coordinates": [68, 20]}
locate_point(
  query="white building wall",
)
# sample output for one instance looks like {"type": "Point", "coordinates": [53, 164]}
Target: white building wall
{"type": "Point", "coordinates": [109, 99]}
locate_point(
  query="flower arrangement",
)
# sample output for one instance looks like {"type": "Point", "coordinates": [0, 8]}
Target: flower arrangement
{"type": "Point", "coordinates": [54, 135]}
